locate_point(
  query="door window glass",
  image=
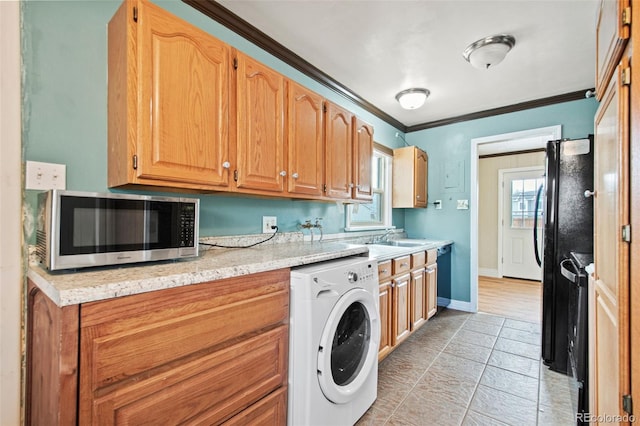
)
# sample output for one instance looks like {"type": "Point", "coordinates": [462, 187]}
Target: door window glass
{"type": "Point", "coordinates": [523, 197]}
{"type": "Point", "coordinates": [350, 344]}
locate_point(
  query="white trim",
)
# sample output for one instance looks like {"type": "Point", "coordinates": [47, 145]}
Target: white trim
{"type": "Point", "coordinates": [553, 132]}
{"type": "Point", "coordinates": [456, 304]}
{"type": "Point", "coordinates": [488, 272]}
{"type": "Point", "coordinates": [11, 263]}
{"type": "Point", "coordinates": [501, 200]}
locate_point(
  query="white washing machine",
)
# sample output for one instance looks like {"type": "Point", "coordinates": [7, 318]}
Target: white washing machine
{"type": "Point", "coordinates": [333, 342]}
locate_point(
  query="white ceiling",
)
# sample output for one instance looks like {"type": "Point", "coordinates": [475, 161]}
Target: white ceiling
{"type": "Point", "coordinates": [377, 48]}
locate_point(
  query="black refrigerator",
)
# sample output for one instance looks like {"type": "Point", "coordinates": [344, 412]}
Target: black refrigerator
{"type": "Point", "coordinates": [568, 228]}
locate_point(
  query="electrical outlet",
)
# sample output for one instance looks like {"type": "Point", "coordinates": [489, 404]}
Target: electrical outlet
{"type": "Point", "coordinates": [45, 176]}
{"type": "Point", "coordinates": [267, 223]}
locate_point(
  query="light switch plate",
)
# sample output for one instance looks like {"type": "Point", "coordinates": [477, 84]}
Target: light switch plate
{"type": "Point", "coordinates": [438, 204]}
{"type": "Point", "coordinates": [463, 204]}
{"type": "Point", "coordinates": [45, 176]}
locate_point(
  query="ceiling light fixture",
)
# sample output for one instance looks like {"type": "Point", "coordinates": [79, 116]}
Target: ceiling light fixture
{"type": "Point", "coordinates": [412, 98]}
{"type": "Point", "coordinates": [490, 51]}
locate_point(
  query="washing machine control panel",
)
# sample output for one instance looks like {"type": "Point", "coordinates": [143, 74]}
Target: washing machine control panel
{"type": "Point", "coordinates": [364, 272]}
{"type": "Point", "coordinates": [352, 277]}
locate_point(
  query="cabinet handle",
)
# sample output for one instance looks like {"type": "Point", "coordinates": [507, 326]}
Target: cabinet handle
{"type": "Point", "coordinates": [226, 165]}
{"type": "Point", "coordinates": [283, 173]}
{"type": "Point", "coordinates": [429, 269]}
{"type": "Point", "coordinates": [351, 185]}
{"type": "Point", "coordinates": [295, 176]}
{"type": "Point", "coordinates": [404, 264]}
{"type": "Point", "coordinates": [384, 271]}
{"type": "Point", "coordinates": [359, 186]}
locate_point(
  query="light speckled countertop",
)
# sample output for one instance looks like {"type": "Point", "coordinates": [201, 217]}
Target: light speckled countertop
{"type": "Point", "coordinates": [93, 284]}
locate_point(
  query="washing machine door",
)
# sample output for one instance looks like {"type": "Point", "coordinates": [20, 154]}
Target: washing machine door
{"type": "Point", "coordinates": [348, 348]}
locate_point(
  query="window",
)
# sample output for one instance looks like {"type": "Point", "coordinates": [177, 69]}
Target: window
{"type": "Point", "coordinates": [377, 214]}
{"type": "Point", "coordinates": [523, 197]}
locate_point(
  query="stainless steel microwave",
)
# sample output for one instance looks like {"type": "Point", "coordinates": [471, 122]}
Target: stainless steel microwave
{"type": "Point", "coordinates": [84, 229]}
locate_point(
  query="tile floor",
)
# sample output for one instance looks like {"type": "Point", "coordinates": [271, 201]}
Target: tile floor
{"type": "Point", "coordinates": [470, 369]}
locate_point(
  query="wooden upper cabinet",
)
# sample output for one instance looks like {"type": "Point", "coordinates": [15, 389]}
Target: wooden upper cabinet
{"type": "Point", "coordinates": [613, 30]}
{"type": "Point", "coordinates": [410, 166]}
{"type": "Point", "coordinates": [339, 152]}
{"type": "Point", "coordinates": [362, 153]}
{"type": "Point", "coordinates": [168, 101]}
{"type": "Point", "coordinates": [305, 131]}
{"type": "Point", "coordinates": [259, 126]}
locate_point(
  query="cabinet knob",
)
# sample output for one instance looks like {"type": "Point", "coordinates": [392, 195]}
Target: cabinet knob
{"type": "Point", "coordinates": [359, 186]}
{"type": "Point", "coordinates": [283, 173]}
{"type": "Point", "coordinates": [418, 197]}
{"type": "Point", "coordinates": [588, 193]}
{"type": "Point", "coordinates": [226, 164]}
{"type": "Point", "coordinates": [295, 176]}
{"type": "Point", "coordinates": [351, 185]}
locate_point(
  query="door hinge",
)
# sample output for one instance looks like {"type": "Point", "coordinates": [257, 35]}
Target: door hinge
{"type": "Point", "coordinates": [627, 404]}
{"type": "Point", "coordinates": [135, 162]}
{"type": "Point", "coordinates": [626, 76]}
{"type": "Point", "coordinates": [626, 16]}
{"type": "Point", "coordinates": [135, 14]}
{"type": "Point", "coordinates": [626, 233]}
{"type": "Point", "coordinates": [235, 63]}
{"type": "Point", "coordinates": [235, 175]}
{"type": "Point", "coordinates": [324, 188]}
{"type": "Point", "coordinates": [324, 107]}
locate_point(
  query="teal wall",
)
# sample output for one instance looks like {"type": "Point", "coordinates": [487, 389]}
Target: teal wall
{"type": "Point", "coordinates": [64, 48]}
{"type": "Point", "coordinates": [451, 144]}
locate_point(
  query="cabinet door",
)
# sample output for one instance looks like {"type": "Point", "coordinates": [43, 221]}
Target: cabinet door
{"type": "Point", "coordinates": [338, 152]}
{"type": "Point", "coordinates": [182, 119]}
{"type": "Point", "coordinates": [431, 293]}
{"type": "Point", "coordinates": [609, 309]}
{"type": "Point", "coordinates": [612, 32]}
{"type": "Point", "coordinates": [420, 178]}
{"type": "Point", "coordinates": [418, 298]}
{"type": "Point", "coordinates": [401, 308]}
{"type": "Point", "coordinates": [362, 154]}
{"type": "Point", "coordinates": [259, 126]}
{"type": "Point", "coordinates": [305, 130]}
{"type": "Point", "coordinates": [385, 319]}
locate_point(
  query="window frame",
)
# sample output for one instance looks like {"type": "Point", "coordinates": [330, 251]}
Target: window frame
{"type": "Point", "coordinates": [386, 154]}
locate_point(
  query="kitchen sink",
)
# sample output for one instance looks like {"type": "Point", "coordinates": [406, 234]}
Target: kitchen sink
{"type": "Point", "coordinates": [399, 243]}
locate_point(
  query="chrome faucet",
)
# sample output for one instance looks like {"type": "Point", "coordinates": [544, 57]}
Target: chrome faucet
{"type": "Point", "coordinates": [383, 237]}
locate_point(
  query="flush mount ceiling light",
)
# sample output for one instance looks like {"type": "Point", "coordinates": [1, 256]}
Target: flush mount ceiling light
{"type": "Point", "coordinates": [490, 51]}
{"type": "Point", "coordinates": [412, 98]}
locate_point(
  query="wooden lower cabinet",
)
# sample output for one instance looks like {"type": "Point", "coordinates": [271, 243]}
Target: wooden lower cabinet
{"type": "Point", "coordinates": [206, 353]}
{"type": "Point", "coordinates": [408, 297]}
{"type": "Point", "coordinates": [431, 281]}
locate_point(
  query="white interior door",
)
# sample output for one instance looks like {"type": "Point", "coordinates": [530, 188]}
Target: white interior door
{"type": "Point", "coordinates": [518, 188]}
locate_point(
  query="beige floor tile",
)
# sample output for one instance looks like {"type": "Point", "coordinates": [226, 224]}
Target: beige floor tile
{"type": "Point", "coordinates": [515, 363]}
{"type": "Point", "coordinates": [468, 351]}
{"type": "Point", "coordinates": [531, 327]}
{"type": "Point", "coordinates": [476, 419]}
{"type": "Point", "coordinates": [510, 382]}
{"type": "Point", "coordinates": [391, 392]}
{"type": "Point", "coordinates": [457, 367]}
{"type": "Point", "coordinates": [482, 327]}
{"type": "Point", "coordinates": [519, 348]}
{"type": "Point", "coordinates": [487, 318]}
{"type": "Point", "coordinates": [374, 417]}
{"type": "Point", "coordinates": [504, 407]}
{"type": "Point", "coordinates": [555, 416]}
{"type": "Point", "coordinates": [400, 368]}
{"type": "Point", "coordinates": [420, 411]}
{"type": "Point", "coordinates": [445, 388]}
{"type": "Point", "coordinates": [521, 336]}
{"type": "Point", "coordinates": [475, 338]}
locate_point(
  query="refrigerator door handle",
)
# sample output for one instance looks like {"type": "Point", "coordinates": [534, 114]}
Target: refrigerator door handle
{"type": "Point", "coordinates": [567, 273]}
{"type": "Point", "coordinates": [535, 227]}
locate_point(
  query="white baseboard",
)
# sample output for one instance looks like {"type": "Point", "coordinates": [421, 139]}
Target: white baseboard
{"type": "Point", "coordinates": [488, 272]}
{"type": "Point", "coordinates": [458, 305]}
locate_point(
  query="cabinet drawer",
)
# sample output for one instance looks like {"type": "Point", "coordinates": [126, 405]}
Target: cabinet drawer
{"type": "Point", "coordinates": [401, 264]}
{"type": "Point", "coordinates": [384, 270]}
{"type": "Point", "coordinates": [122, 338]}
{"type": "Point", "coordinates": [417, 259]}
{"type": "Point", "coordinates": [432, 256]}
{"type": "Point", "coordinates": [207, 390]}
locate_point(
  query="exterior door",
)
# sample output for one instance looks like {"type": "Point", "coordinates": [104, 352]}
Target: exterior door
{"type": "Point", "coordinates": [519, 188]}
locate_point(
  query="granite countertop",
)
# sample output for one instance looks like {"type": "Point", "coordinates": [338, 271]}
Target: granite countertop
{"type": "Point", "coordinates": [88, 285]}
{"type": "Point", "coordinates": [73, 287]}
